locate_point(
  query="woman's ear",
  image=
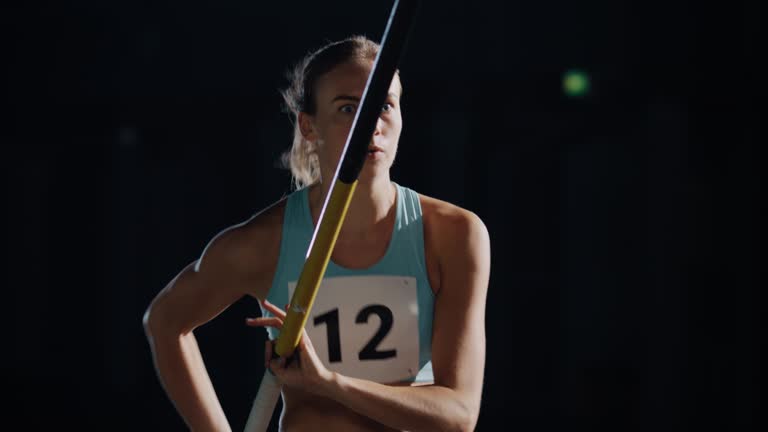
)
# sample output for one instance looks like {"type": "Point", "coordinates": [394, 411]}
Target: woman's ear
{"type": "Point", "coordinates": [307, 127]}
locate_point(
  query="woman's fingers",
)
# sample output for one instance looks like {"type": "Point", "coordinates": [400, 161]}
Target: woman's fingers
{"type": "Point", "coordinates": [276, 311]}
{"type": "Point", "coordinates": [276, 321]}
{"type": "Point", "coordinates": [305, 342]}
{"type": "Point", "coordinates": [264, 322]}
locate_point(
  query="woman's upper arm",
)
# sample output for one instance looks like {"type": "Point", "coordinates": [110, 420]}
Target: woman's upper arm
{"type": "Point", "coordinates": [226, 271]}
{"type": "Point", "coordinates": [458, 345]}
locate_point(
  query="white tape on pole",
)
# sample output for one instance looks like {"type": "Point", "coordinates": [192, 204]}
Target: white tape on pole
{"type": "Point", "coordinates": [264, 404]}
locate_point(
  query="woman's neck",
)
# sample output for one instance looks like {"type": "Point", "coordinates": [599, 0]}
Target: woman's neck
{"type": "Point", "coordinates": [371, 210]}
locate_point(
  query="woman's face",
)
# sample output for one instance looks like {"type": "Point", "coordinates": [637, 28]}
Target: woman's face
{"type": "Point", "coordinates": [337, 97]}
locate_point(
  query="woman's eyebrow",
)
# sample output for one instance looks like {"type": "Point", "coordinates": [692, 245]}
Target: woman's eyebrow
{"type": "Point", "coordinates": [346, 97]}
{"type": "Point", "coordinates": [357, 99]}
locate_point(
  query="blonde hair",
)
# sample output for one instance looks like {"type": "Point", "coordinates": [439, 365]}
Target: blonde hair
{"type": "Point", "coordinates": [302, 158]}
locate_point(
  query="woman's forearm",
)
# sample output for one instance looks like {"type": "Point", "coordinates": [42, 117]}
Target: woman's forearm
{"type": "Point", "coordinates": [182, 372]}
{"type": "Point", "coordinates": [419, 408]}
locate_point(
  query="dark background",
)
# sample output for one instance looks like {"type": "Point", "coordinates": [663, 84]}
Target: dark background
{"type": "Point", "coordinates": [624, 224]}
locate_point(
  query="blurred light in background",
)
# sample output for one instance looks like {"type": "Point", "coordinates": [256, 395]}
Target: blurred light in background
{"type": "Point", "coordinates": [575, 83]}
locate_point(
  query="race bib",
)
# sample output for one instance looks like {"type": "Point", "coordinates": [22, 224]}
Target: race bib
{"type": "Point", "coordinates": [366, 326]}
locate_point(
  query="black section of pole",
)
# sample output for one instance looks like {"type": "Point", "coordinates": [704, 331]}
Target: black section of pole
{"type": "Point", "coordinates": [376, 89]}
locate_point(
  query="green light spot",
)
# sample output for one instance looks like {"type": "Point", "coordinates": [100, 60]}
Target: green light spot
{"type": "Point", "coordinates": [575, 83]}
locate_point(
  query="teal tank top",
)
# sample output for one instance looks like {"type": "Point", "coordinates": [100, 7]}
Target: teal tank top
{"type": "Point", "coordinates": [373, 323]}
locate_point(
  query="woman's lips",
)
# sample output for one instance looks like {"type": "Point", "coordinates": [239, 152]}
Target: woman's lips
{"type": "Point", "coordinates": [375, 153]}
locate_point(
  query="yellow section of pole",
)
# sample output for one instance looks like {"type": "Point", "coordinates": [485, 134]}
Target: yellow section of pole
{"type": "Point", "coordinates": [314, 267]}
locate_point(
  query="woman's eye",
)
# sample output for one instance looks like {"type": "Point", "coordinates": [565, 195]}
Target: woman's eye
{"type": "Point", "coordinates": [350, 108]}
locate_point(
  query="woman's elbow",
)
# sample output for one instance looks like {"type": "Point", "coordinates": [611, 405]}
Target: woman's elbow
{"type": "Point", "coordinates": [463, 417]}
{"type": "Point", "coordinates": [157, 323]}
{"type": "Point", "coordinates": [470, 411]}
{"type": "Point", "coordinates": [150, 322]}
{"type": "Point", "coordinates": [467, 420]}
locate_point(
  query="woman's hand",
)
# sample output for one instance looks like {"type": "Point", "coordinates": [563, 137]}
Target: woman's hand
{"type": "Point", "coordinates": [304, 371]}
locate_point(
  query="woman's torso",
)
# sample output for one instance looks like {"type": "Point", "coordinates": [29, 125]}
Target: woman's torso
{"type": "Point", "coordinates": [303, 410]}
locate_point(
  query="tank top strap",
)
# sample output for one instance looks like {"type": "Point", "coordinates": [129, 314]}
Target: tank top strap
{"type": "Point", "coordinates": [297, 223]}
{"type": "Point", "coordinates": [409, 232]}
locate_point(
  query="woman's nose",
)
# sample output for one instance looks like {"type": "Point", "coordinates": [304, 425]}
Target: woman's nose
{"type": "Point", "coordinates": [379, 126]}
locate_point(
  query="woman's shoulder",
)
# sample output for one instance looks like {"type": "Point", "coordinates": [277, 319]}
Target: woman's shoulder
{"type": "Point", "coordinates": [251, 247]}
{"type": "Point", "coordinates": [446, 217]}
{"type": "Point", "coordinates": [451, 231]}
{"type": "Point", "coordinates": [268, 219]}
{"type": "Point", "coordinates": [455, 238]}
{"type": "Point", "coordinates": [260, 234]}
